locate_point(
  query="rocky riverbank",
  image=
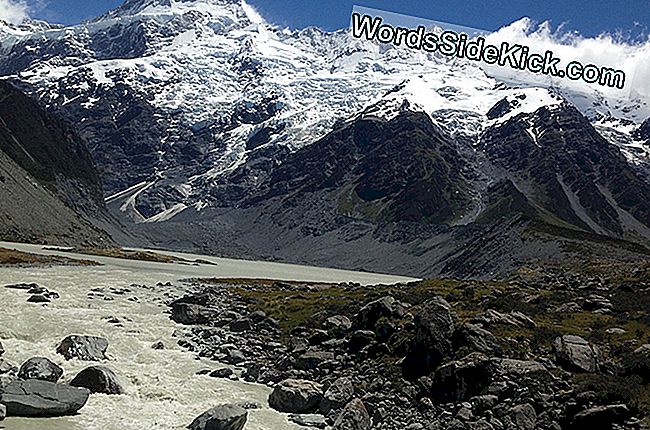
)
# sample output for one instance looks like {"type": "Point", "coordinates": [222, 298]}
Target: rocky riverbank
{"type": "Point", "coordinates": [545, 349]}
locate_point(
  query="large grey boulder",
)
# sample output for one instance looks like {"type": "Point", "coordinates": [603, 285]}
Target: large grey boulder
{"type": "Point", "coordinates": [98, 379]}
{"type": "Point", "coordinates": [576, 354]}
{"type": "Point", "coordinates": [40, 368]}
{"type": "Point", "coordinates": [296, 396]}
{"type": "Point", "coordinates": [353, 417]}
{"type": "Point", "coordinates": [3, 412]}
{"type": "Point", "coordinates": [223, 417]}
{"type": "Point", "coordinates": [34, 398]}
{"type": "Point", "coordinates": [337, 395]}
{"type": "Point", "coordinates": [85, 348]}
{"type": "Point", "coordinates": [432, 344]}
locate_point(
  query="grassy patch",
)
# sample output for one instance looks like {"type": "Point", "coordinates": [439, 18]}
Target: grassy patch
{"type": "Point", "coordinates": [12, 257]}
{"type": "Point", "coordinates": [126, 254]}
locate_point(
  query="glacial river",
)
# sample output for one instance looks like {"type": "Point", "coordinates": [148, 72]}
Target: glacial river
{"type": "Point", "coordinates": [163, 391]}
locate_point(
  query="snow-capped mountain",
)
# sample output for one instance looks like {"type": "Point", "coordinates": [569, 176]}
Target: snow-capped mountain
{"type": "Point", "coordinates": [192, 107]}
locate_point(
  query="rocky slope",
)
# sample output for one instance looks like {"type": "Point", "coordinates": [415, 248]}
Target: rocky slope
{"type": "Point", "coordinates": [48, 182]}
{"type": "Point", "coordinates": [547, 349]}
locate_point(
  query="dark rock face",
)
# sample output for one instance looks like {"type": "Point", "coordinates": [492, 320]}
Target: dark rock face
{"type": "Point", "coordinates": [296, 396]}
{"type": "Point", "coordinates": [353, 417]}
{"type": "Point", "coordinates": [85, 348]}
{"type": "Point", "coordinates": [643, 132]}
{"type": "Point", "coordinates": [98, 379]}
{"type": "Point", "coordinates": [42, 399]}
{"type": "Point", "coordinates": [40, 368]}
{"type": "Point", "coordinates": [50, 188]}
{"type": "Point", "coordinates": [223, 417]}
{"type": "Point", "coordinates": [576, 354]}
{"type": "Point", "coordinates": [434, 329]}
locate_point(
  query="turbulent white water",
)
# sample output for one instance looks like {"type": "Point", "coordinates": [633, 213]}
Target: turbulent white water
{"type": "Point", "coordinates": [162, 390]}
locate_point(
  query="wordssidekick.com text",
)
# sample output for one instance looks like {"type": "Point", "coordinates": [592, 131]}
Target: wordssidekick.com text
{"type": "Point", "coordinates": [460, 45]}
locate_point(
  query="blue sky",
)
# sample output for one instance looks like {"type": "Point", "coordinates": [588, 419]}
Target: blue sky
{"type": "Point", "coordinates": [588, 17]}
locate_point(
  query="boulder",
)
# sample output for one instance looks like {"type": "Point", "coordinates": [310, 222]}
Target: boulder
{"type": "Point", "coordinates": [2, 349]}
{"type": "Point", "coordinates": [576, 354]}
{"type": "Point", "coordinates": [360, 339]}
{"type": "Point", "coordinates": [224, 372]}
{"type": "Point", "coordinates": [386, 307]}
{"type": "Point", "coordinates": [638, 363]}
{"type": "Point", "coordinates": [40, 368]}
{"type": "Point", "coordinates": [192, 314]}
{"type": "Point", "coordinates": [98, 379]}
{"type": "Point", "coordinates": [85, 348]}
{"type": "Point", "coordinates": [338, 325]}
{"type": "Point", "coordinates": [432, 344]}
{"type": "Point", "coordinates": [353, 417]}
{"type": "Point", "coordinates": [241, 325]}
{"type": "Point", "coordinates": [337, 395]}
{"type": "Point", "coordinates": [3, 412]}
{"type": "Point", "coordinates": [476, 339]}
{"type": "Point", "coordinates": [601, 417]}
{"type": "Point", "coordinates": [223, 417]}
{"type": "Point", "coordinates": [38, 298]}
{"type": "Point", "coordinates": [34, 398]}
{"type": "Point", "coordinates": [462, 379]}
{"type": "Point", "coordinates": [296, 396]}
{"type": "Point", "coordinates": [524, 417]}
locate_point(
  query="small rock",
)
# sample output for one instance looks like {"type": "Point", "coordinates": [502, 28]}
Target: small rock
{"type": "Point", "coordinates": [309, 420]}
{"type": "Point", "coordinates": [40, 368]}
{"type": "Point", "coordinates": [158, 345]}
{"type": "Point", "coordinates": [98, 379]}
{"type": "Point", "coordinates": [222, 373]}
{"type": "Point", "coordinates": [223, 417]}
{"type": "Point", "coordinates": [85, 348]}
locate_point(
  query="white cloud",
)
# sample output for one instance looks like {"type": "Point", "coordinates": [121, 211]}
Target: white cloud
{"type": "Point", "coordinates": [605, 50]}
{"type": "Point", "coordinates": [12, 11]}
